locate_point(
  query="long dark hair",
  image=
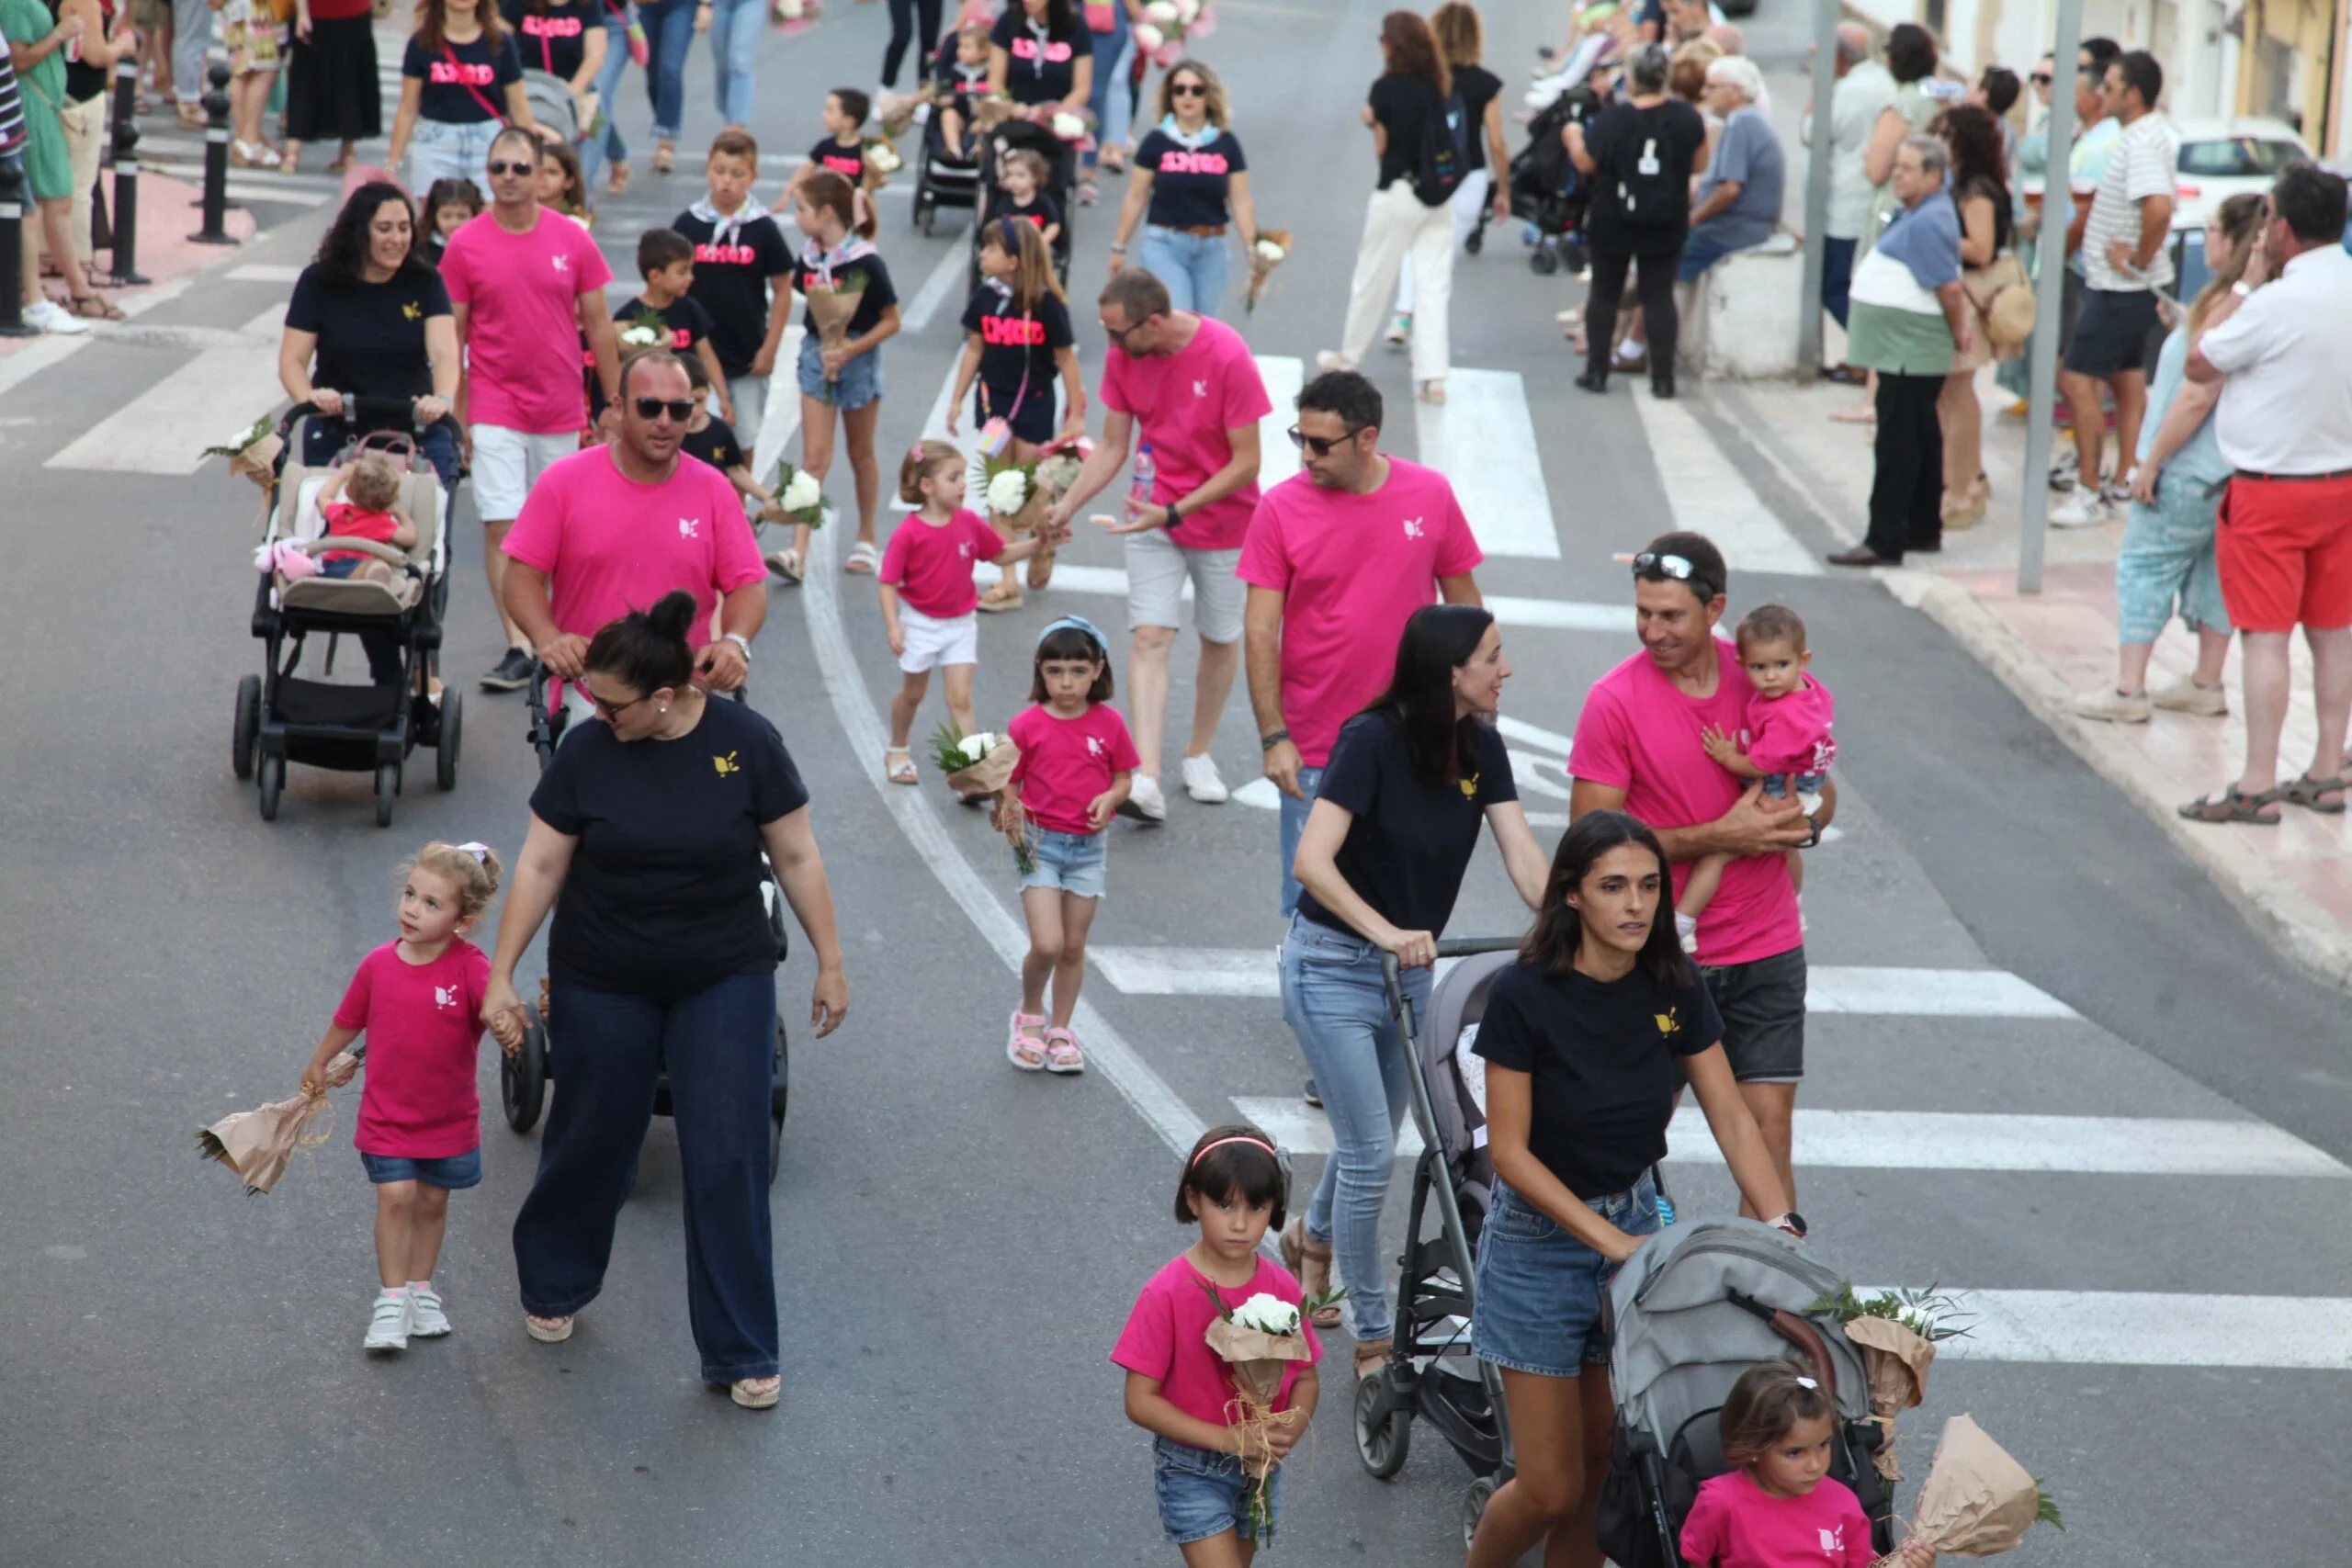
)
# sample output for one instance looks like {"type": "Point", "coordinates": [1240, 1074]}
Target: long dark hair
{"type": "Point", "coordinates": [1438, 640]}
{"type": "Point", "coordinates": [1978, 152]}
{"type": "Point", "coordinates": [1410, 50]}
{"type": "Point", "coordinates": [432, 23]}
{"type": "Point", "coordinates": [342, 260]}
{"type": "Point", "coordinates": [1559, 927]}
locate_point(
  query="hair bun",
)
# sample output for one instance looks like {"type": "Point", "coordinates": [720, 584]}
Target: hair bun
{"type": "Point", "coordinates": [673, 615]}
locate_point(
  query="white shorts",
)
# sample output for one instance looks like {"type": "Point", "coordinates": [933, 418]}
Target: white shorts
{"type": "Point", "coordinates": [507, 463]}
{"type": "Point", "coordinates": [1157, 568]}
{"type": "Point", "coordinates": [933, 643]}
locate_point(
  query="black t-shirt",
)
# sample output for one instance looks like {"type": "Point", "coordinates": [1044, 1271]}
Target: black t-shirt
{"type": "Point", "coordinates": [455, 73]}
{"type": "Point", "coordinates": [959, 81]}
{"type": "Point", "coordinates": [874, 294]}
{"type": "Point", "coordinates": [1602, 1056]}
{"type": "Point", "coordinates": [371, 336]}
{"type": "Point", "coordinates": [1014, 346]}
{"type": "Point", "coordinates": [732, 269]}
{"type": "Point", "coordinates": [1190, 186]}
{"type": "Point", "coordinates": [687, 322]}
{"type": "Point", "coordinates": [1475, 87]}
{"type": "Point", "coordinates": [715, 444]}
{"type": "Point", "coordinates": [1623, 132]}
{"type": "Point", "coordinates": [1042, 208]}
{"type": "Point", "coordinates": [847, 162]}
{"type": "Point", "coordinates": [1412, 838]}
{"type": "Point", "coordinates": [553, 38]}
{"type": "Point", "coordinates": [1404, 104]}
{"type": "Point", "coordinates": [1043, 65]}
{"type": "Point", "coordinates": [663, 894]}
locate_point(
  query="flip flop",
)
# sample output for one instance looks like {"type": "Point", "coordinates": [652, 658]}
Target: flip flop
{"type": "Point", "coordinates": [2234, 805]}
{"type": "Point", "coordinates": [903, 771]}
{"type": "Point", "coordinates": [2306, 790]}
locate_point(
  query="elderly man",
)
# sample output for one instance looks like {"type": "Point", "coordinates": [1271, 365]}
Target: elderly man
{"type": "Point", "coordinates": [1909, 317]}
{"type": "Point", "coordinates": [2283, 353]}
{"type": "Point", "coordinates": [1739, 196]}
{"type": "Point", "coordinates": [1864, 89]}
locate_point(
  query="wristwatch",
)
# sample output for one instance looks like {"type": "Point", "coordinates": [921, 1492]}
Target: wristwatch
{"type": "Point", "coordinates": [1272, 738]}
{"type": "Point", "coordinates": [739, 640]}
{"type": "Point", "coordinates": [1792, 1222]}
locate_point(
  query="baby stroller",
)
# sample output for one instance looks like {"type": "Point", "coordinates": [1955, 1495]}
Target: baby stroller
{"type": "Point", "coordinates": [1546, 190]}
{"type": "Point", "coordinates": [1061, 162]}
{"type": "Point", "coordinates": [523, 1075]}
{"type": "Point", "coordinates": [1694, 1308]}
{"type": "Point", "coordinates": [553, 109]}
{"type": "Point", "coordinates": [284, 717]}
{"type": "Point", "coordinates": [941, 181]}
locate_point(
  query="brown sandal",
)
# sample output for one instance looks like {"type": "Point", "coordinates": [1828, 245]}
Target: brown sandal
{"type": "Point", "coordinates": [1370, 1354]}
{"type": "Point", "coordinates": [1310, 1260]}
{"type": "Point", "coordinates": [2232, 805]}
{"type": "Point", "coordinates": [107, 310]}
{"type": "Point", "coordinates": [997, 598]}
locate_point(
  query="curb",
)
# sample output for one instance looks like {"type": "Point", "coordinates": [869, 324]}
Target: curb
{"type": "Point", "coordinates": [2281, 913]}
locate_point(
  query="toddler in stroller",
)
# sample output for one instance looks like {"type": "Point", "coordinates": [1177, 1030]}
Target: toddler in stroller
{"type": "Point", "coordinates": [947, 170]}
{"type": "Point", "coordinates": [362, 501]}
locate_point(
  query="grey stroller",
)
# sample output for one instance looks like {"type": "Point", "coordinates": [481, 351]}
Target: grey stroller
{"type": "Point", "coordinates": [1695, 1307]}
{"type": "Point", "coordinates": [552, 106]}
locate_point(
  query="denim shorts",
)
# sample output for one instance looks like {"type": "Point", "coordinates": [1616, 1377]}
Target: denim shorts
{"type": "Point", "coordinates": [1805, 786]}
{"type": "Point", "coordinates": [1073, 863]}
{"type": "Point", "coordinates": [1540, 1289]}
{"type": "Point", "coordinates": [1204, 1495]}
{"type": "Point", "coordinates": [859, 384]}
{"type": "Point", "coordinates": [455, 1172]}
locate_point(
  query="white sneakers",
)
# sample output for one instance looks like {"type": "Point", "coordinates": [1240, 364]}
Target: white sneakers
{"type": "Point", "coordinates": [426, 1318]}
{"type": "Point", "coordinates": [49, 316]}
{"type": "Point", "coordinates": [388, 1326]}
{"type": "Point", "coordinates": [1145, 803]}
{"type": "Point", "coordinates": [2189, 697]}
{"type": "Point", "coordinates": [2113, 707]}
{"type": "Point", "coordinates": [2137, 707]}
{"type": "Point", "coordinates": [1201, 781]}
{"type": "Point", "coordinates": [2083, 508]}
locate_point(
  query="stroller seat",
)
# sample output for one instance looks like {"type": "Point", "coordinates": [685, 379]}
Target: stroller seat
{"type": "Point", "coordinates": [552, 104]}
{"type": "Point", "coordinates": [300, 521]}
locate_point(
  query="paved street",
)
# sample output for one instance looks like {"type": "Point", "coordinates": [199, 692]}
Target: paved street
{"type": "Point", "coordinates": [2051, 1068]}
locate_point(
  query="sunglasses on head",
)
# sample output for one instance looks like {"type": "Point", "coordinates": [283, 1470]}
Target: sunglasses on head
{"type": "Point", "coordinates": [1652, 567]}
{"type": "Point", "coordinates": [1320, 444]}
{"type": "Point", "coordinates": [1187, 90]}
{"type": "Point", "coordinates": [681, 410]}
{"type": "Point", "coordinates": [501, 166]}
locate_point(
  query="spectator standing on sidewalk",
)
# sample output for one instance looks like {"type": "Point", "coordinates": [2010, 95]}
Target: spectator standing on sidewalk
{"type": "Point", "coordinates": [1911, 65]}
{"type": "Point", "coordinates": [1638, 750]}
{"type": "Point", "coordinates": [1979, 184]}
{"type": "Point", "coordinates": [2126, 260]}
{"type": "Point", "coordinates": [332, 90]}
{"type": "Point", "coordinates": [191, 41]}
{"type": "Point", "coordinates": [1188, 384]}
{"type": "Point", "coordinates": [36, 44]}
{"type": "Point", "coordinates": [89, 83]}
{"type": "Point", "coordinates": [2284, 357]}
{"type": "Point", "coordinates": [524, 284]}
{"type": "Point", "coordinates": [1339, 557]}
{"type": "Point", "coordinates": [1864, 89]}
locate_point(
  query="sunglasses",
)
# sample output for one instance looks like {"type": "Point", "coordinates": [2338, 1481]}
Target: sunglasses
{"type": "Point", "coordinates": [2041, 78]}
{"type": "Point", "coordinates": [682, 409]}
{"type": "Point", "coordinates": [1650, 566]}
{"type": "Point", "coordinates": [501, 166]}
{"type": "Point", "coordinates": [1187, 90]}
{"type": "Point", "coordinates": [1320, 444]}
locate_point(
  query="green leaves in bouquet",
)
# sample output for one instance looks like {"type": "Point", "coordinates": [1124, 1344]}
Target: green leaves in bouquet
{"type": "Point", "coordinates": [237, 443]}
{"type": "Point", "coordinates": [1924, 1311]}
{"type": "Point", "coordinates": [2047, 1513]}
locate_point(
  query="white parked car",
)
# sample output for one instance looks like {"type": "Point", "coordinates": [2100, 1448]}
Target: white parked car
{"type": "Point", "coordinates": [2219, 158]}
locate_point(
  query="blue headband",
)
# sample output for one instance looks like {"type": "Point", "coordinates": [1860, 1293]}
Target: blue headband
{"type": "Point", "coordinates": [1076, 623]}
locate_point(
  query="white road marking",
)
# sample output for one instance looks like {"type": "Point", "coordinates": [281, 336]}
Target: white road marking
{"type": "Point", "coordinates": [1707, 495]}
{"type": "Point", "coordinates": [165, 429]}
{"type": "Point", "coordinates": [2135, 1328]}
{"type": "Point", "coordinates": [1482, 439]}
{"type": "Point", "coordinates": [32, 360]}
{"type": "Point", "coordinates": [1188, 971]}
{"type": "Point", "coordinates": [264, 272]}
{"type": "Point", "coordinates": [1559, 614]}
{"type": "Point", "coordinates": [1542, 774]}
{"type": "Point", "coordinates": [1301, 1129]}
{"type": "Point", "coordinates": [1519, 729]}
{"type": "Point", "coordinates": [1277, 459]}
{"type": "Point", "coordinates": [951, 270]}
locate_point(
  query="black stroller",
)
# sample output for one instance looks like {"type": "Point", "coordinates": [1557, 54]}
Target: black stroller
{"type": "Point", "coordinates": [1061, 184]}
{"type": "Point", "coordinates": [941, 181]}
{"type": "Point", "coordinates": [523, 1075]}
{"type": "Point", "coordinates": [1546, 190]}
{"type": "Point", "coordinates": [283, 718]}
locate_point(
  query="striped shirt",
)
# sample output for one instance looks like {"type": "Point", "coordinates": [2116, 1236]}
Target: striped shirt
{"type": "Point", "coordinates": [12, 109]}
{"type": "Point", "coordinates": [2144, 163]}
{"type": "Point", "coordinates": [1896, 323]}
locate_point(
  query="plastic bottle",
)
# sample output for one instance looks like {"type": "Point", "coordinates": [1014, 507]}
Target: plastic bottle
{"type": "Point", "coordinates": [1139, 488]}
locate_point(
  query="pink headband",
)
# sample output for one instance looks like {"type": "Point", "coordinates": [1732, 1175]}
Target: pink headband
{"type": "Point", "coordinates": [1237, 1138]}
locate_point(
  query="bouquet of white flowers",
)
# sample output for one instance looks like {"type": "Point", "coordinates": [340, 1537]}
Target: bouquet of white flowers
{"type": "Point", "coordinates": [252, 451]}
{"type": "Point", "coordinates": [800, 496]}
{"type": "Point", "coordinates": [646, 329]}
{"type": "Point", "coordinates": [1271, 249]}
{"type": "Point", "coordinates": [1258, 1340]}
{"type": "Point", "coordinates": [1068, 127]}
{"type": "Point", "coordinates": [977, 767]}
{"type": "Point", "coordinates": [882, 161]}
{"type": "Point", "coordinates": [1168, 26]}
{"type": "Point", "coordinates": [1016, 501]}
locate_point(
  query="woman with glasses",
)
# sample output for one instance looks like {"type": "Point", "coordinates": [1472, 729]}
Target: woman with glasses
{"type": "Point", "coordinates": [1190, 184]}
{"type": "Point", "coordinates": [646, 836]}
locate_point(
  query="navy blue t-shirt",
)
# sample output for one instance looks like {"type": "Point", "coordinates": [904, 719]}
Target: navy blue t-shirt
{"type": "Point", "coordinates": [1412, 838]}
{"type": "Point", "coordinates": [465, 84]}
{"type": "Point", "coordinates": [1190, 187]}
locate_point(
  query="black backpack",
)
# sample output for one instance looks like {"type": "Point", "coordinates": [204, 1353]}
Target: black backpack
{"type": "Point", "coordinates": [1650, 192]}
{"type": "Point", "coordinates": [1445, 152]}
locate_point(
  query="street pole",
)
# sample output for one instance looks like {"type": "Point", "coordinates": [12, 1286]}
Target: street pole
{"type": "Point", "coordinates": [2049, 297]}
{"type": "Point", "coordinates": [1818, 155]}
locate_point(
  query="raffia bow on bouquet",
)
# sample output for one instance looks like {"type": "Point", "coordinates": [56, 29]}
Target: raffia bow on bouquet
{"type": "Point", "coordinates": [1258, 1341]}
{"type": "Point", "coordinates": [259, 1143]}
{"type": "Point", "coordinates": [1976, 1500]}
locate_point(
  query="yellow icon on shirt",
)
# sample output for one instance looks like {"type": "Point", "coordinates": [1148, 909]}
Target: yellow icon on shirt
{"type": "Point", "coordinates": [727, 764]}
{"type": "Point", "coordinates": [1469, 787]}
{"type": "Point", "coordinates": [411, 311]}
{"type": "Point", "coordinates": [1667, 1023]}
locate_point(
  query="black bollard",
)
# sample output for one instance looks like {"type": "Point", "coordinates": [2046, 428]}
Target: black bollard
{"type": "Point", "coordinates": [216, 160]}
{"type": "Point", "coordinates": [11, 272]}
{"type": "Point", "coordinates": [126, 170]}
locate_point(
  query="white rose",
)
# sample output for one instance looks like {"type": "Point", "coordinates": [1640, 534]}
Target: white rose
{"type": "Point", "coordinates": [1068, 127]}
{"type": "Point", "coordinates": [1008, 493]}
{"type": "Point", "coordinates": [1267, 251]}
{"type": "Point", "coordinates": [882, 158]}
{"type": "Point", "coordinates": [1267, 1314]}
{"type": "Point", "coordinates": [792, 9]}
{"type": "Point", "coordinates": [976, 747]}
{"type": "Point", "coordinates": [1186, 10]}
{"type": "Point", "coordinates": [803, 492]}
{"type": "Point", "coordinates": [639, 337]}
{"type": "Point", "coordinates": [1147, 37]}
{"type": "Point", "coordinates": [1161, 12]}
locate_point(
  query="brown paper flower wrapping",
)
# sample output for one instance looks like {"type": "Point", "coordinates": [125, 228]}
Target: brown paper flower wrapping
{"type": "Point", "coordinates": [258, 462]}
{"type": "Point", "coordinates": [1898, 1362]}
{"type": "Point", "coordinates": [989, 774]}
{"type": "Point", "coordinates": [1032, 513]}
{"type": "Point", "coordinates": [1976, 1500]}
{"type": "Point", "coordinates": [257, 1144]}
{"type": "Point", "coordinates": [832, 309]}
{"type": "Point", "coordinates": [1258, 1360]}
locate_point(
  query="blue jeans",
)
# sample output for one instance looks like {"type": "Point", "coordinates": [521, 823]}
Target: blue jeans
{"type": "Point", "coordinates": [1837, 275]}
{"type": "Point", "coordinates": [734, 55]}
{"type": "Point", "coordinates": [1702, 250]}
{"type": "Point", "coordinates": [1112, 50]}
{"type": "Point", "coordinates": [1336, 1003]}
{"type": "Point", "coordinates": [1294, 817]}
{"type": "Point", "coordinates": [445, 150]}
{"type": "Point", "coordinates": [718, 1047]}
{"type": "Point", "coordinates": [1192, 265]}
{"type": "Point", "coordinates": [1204, 1495]}
{"type": "Point", "coordinates": [669, 34]}
{"type": "Point", "coordinates": [597, 151]}
{"type": "Point", "coordinates": [2167, 559]}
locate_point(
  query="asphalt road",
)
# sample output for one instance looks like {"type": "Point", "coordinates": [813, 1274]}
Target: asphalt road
{"type": "Point", "coordinates": [957, 1244]}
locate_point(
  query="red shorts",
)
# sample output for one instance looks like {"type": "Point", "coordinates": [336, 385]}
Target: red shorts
{"type": "Point", "coordinates": [2284, 547]}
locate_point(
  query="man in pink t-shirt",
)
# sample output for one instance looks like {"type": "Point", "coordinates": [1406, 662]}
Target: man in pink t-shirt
{"type": "Point", "coordinates": [1339, 557]}
{"type": "Point", "coordinates": [1639, 748]}
{"type": "Point", "coordinates": [525, 284]}
{"type": "Point", "coordinates": [1189, 385]}
{"type": "Point", "coordinates": [612, 528]}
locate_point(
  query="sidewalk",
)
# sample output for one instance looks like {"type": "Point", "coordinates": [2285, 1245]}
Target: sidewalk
{"type": "Point", "coordinates": [2294, 882]}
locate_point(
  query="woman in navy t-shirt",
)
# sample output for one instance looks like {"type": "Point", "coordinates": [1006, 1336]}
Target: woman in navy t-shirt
{"type": "Point", "coordinates": [461, 75]}
{"type": "Point", "coordinates": [1190, 184]}
{"type": "Point", "coordinates": [567, 40]}
{"type": "Point", "coordinates": [1042, 56]}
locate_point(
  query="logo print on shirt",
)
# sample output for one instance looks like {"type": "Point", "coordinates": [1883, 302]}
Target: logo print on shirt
{"type": "Point", "coordinates": [727, 764]}
{"type": "Point", "coordinates": [690, 528]}
{"type": "Point", "coordinates": [1834, 1542]}
{"type": "Point", "coordinates": [1093, 746]}
{"type": "Point", "coordinates": [1469, 787]}
{"type": "Point", "coordinates": [965, 549]}
{"type": "Point", "coordinates": [411, 311]}
{"type": "Point", "coordinates": [1413, 528]}
{"type": "Point", "coordinates": [1199, 389]}
{"type": "Point", "coordinates": [445, 996]}
{"type": "Point", "coordinates": [1669, 1025]}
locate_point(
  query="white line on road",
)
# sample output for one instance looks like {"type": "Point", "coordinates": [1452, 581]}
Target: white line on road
{"type": "Point", "coordinates": [1519, 729]}
{"type": "Point", "coordinates": [264, 272]}
{"type": "Point", "coordinates": [1482, 439]}
{"type": "Point", "coordinates": [165, 429]}
{"type": "Point", "coordinates": [2133, 1328]}
{"type": "Point", "coordinates": [1706, 494]}
{"type": "Point", "coordinates": [34, 358]}
{"type": "Point", "coordinates": [1542, 774]}
{"type": "Point", "coordinates": [1277, 459]}
{"type": "Point", "coordinates": [950, 271]}
{"type": "Point", "coordinates": [1300, 1129]}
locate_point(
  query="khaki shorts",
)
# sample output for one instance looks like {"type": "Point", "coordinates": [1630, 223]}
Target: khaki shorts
{"type": "Point", "coordinates": [1158, 568]}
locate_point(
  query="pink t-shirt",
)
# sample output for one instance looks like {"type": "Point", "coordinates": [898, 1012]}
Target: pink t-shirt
{"type": "Point", "coordinates": [521, 292]}
{"type": "Point", "coordinates": [1184, 404]}
{"type": "Point", "coordinates": [423, 1024]}
{"type": "Point", "coordinates": [1638, 734]}
{"type": "Point", "coordinates": [610, 544]}
{"type": "Point", "coordinates": [1737, 1523]}
{"type": "Point", "coordinates": [1166, 1338]}
{"type": "Point", "coordinates": [345, 521]}
{"type": "Point", "coordinates": [930, 566]}
{"type": "Point", "coordinates": [1065, 762]}
{"type": "Point", "coordinates": [1351, 569]}
{"type": "Point", "coordinates": [1791, 734]}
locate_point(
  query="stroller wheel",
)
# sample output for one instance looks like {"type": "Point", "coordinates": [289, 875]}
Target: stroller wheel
{"type": "Point", "coordinates": [1545, 260]}
{"type": "Point", "coordinates": [273, 780]}
{"type": "Point", "coordinates": [388, 786]}
{"type": "Point", "coordinates": [247, 728]}
{"type": "Point", "coordinates": [1475, 240]}
{"type": "Point", "coordinates": [522, 1077]}
{"type": "Point", "coordinates": [1384, 1425]}
{"type": "Point", "coordinates": [1474, 1498]}
{"type": "Point", "coordinates": [445, 749]}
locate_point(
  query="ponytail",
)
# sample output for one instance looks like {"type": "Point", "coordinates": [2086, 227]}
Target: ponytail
{"type": "Point", "coordinates": [647, 649]}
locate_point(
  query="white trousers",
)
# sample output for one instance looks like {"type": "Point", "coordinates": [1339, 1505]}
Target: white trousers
{"type": "Point", "coordinates": [1469, 200]}
{"type": "Point", "coordinates": [1397, 225]}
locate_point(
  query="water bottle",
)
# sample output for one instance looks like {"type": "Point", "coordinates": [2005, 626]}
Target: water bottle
{"type": "Point", "coordinates": [1139, 488]}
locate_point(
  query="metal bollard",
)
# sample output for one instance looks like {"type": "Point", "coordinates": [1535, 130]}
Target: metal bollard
{"type": "Point", "coordinates": [216, 160]}
{"type": "Point", "coordinates": [126, 170]}
{"type": "Point", "coordinates": [12, 274]}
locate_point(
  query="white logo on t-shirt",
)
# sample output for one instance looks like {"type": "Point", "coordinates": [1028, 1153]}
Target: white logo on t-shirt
{"type": "Point", "coordinates": [1413, 528]}
{"type": "Point", "coordinates": [1093, 746]}
{"type": "Point", "coordinates": [445, 996]}
{"type": "Point", "coordinates": [1834, 1544]}
{"type": "Point", "coordinates": [690, 528]}
{"type": "Point", "coordinates": [562, 264]}
{"type": "Point", "coordinates": [965, 549]}
{"type": "Point", "coordinates": [1199, 389]}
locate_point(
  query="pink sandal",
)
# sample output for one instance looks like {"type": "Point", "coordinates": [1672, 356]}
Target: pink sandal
{"type": "Point", "coordinates": [1062, 1054]}
{"type": "Point", "coordinates": [1023, 1047]}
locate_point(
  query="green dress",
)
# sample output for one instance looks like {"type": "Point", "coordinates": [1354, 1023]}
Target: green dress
{"type": "Point", "coordinates": [48, 174]}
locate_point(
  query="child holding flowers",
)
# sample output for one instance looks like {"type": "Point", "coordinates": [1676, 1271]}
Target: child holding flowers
{"type": "Point", "coordinates": [1077, 763]}
{"type": "Point", "coordinates": [852, 310]}
{"type": "Point", "coordinates": [418, 1000]}
{"type": "Point", "coordinates": [1218, 1477]}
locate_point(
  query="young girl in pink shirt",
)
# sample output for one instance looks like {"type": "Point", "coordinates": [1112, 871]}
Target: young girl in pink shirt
{"type": "Point", "coordinates": [1183, 1393]}
{"type": "Point", "coordinates": [1077, 762]}
{"type": "Point", "coordinates": [418, 1000]}
{"type": "Point", "coordinates": [1779, 1508]}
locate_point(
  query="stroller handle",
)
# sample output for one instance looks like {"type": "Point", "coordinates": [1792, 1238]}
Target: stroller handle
{"type": "Point", "coordinates": [362, 406]}
{"type": "Point", "coordinates": [1451, 947]}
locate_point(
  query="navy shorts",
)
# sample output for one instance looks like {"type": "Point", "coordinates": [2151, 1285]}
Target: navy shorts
{"type": "Point", "coordinates": [2112, 335]}
{"type": "Point", "coordinates": [1204, 1495]}
{"type": "Point", "coordinates": [454, 1172]}
{"type": "Point", "coordinates": [1540, 1289]}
